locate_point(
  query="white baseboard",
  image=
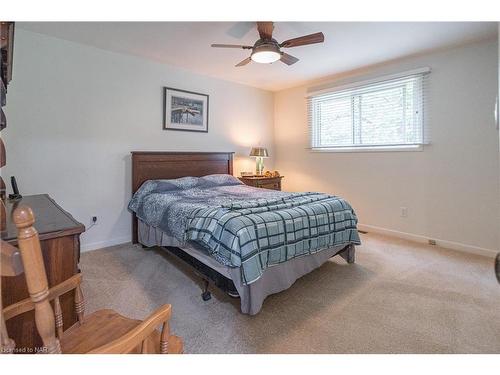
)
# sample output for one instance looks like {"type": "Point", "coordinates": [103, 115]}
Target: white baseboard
{"type": "Point", "coordinates": [101, 244]}
{"type": "Point", "coordinates": [423, 239]}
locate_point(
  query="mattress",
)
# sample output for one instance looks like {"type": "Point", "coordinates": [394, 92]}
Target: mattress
{"type": "Point", "coordinates": [275, 279]}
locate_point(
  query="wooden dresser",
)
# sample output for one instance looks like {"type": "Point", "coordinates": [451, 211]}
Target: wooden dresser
{"type": "Point", "coordinates": [60, 241]}
{"type": "Point", "coordinates": [263, 182]}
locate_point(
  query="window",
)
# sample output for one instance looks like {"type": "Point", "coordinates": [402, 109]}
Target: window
{"type": "Point", "coordinates": [384, 114]}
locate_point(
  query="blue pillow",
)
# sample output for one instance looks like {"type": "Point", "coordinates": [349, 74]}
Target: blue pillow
{"type": "Point", "coordinates": [182, 183]}
{"type": "Point", "coordinates": [218, 180]}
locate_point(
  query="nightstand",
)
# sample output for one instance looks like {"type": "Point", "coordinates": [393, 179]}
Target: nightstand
{"type": "Point", "coordinates": [262, 182]}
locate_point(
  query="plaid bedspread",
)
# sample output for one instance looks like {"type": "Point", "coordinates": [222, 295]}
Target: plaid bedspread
{"type": "Point", "coordinates": [255, 235]}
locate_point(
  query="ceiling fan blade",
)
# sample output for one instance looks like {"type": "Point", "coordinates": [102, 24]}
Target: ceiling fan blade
{"type": "Point", "coordinates": [288, 59]}
{"type": "Point", "coordinates": [304, 40]}
{"type": "Point", "coordinates": [265, 30]}
{"type": "Point", "coordinates": [244, 62]}
{"type": "Point", "coordinates": [231, 46]}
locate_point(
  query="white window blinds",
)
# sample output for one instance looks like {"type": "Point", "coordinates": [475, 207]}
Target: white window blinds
{"type": "Point", "coordinates": [388, 112]}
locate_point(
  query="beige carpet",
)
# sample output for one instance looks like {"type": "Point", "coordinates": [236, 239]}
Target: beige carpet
{"type": "Point", "coordinates": [399, 297]}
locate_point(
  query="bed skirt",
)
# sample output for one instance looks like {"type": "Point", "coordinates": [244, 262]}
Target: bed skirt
{"type": "Point", "coordinates": [274, 279]}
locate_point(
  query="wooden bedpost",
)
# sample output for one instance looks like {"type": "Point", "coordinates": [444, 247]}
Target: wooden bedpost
{"type": "Point", "coordinates": [135, 237]}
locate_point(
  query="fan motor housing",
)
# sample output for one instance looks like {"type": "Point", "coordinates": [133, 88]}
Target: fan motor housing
{"type": "Point", "coordinates": [262, 45]}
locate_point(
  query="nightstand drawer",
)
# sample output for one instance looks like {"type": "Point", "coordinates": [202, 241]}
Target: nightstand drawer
{"type": "Point", "coordinates": [270, 185]}
{"type": "Point", "coordinates": [273, 183]}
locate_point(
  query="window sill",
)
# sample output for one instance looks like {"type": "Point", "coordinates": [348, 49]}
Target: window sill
{"type": "Point", "coordinates": [410, 148]}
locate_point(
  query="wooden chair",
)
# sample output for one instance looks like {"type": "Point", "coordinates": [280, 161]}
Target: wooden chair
{"type": "Point", "coordinates": [104, 331]}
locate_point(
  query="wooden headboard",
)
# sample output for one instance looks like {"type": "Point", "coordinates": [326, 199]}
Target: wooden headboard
{"type": "Point", "coordinates": [153, 165]}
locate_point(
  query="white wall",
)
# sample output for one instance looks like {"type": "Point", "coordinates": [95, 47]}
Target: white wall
{"type": "Point", "coordinates": [451, 189]}
{"type": "Point", "coordinates": [75, 113]}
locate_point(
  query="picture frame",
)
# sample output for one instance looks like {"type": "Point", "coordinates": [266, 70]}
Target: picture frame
{"type": "Point", "coordinates": [185, 110]}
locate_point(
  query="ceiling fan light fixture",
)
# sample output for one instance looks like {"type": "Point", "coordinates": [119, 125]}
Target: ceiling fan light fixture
{"type": "Point", "coordinates": [266, 57]}
{"type": "Point", "coordinates": [266, 54]}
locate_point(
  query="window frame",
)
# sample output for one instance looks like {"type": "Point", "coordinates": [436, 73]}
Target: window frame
{"type": "Point", "coordinates": [360, 85]}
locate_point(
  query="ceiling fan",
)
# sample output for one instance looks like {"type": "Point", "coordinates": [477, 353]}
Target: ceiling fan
{"type": "Point", "coordinates": [267, 50]}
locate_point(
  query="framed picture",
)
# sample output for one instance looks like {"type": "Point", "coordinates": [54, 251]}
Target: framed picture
{"type": "Point", "coordinates": [185, 110]}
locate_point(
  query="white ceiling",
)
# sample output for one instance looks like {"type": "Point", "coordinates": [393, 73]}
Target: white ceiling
{"type": "Point", "coordinates": [347, 46]}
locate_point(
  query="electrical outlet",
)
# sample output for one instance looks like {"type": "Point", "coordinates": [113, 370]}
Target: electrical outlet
{"type": "Point", "coordinates": [432, 242]}
{"type": "Point", "coordinates": [404, 211]}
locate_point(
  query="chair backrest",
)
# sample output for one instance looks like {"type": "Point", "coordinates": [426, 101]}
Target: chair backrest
{"type": "Point", "coordinates": [36, 278]}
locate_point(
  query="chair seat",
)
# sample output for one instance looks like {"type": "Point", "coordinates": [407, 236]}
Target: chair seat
{"type": "Point", "coordinates": [104, 326]}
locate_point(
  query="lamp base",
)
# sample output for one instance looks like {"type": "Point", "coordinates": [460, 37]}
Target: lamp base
{"type": "Point", "coordinates": [259, 166]}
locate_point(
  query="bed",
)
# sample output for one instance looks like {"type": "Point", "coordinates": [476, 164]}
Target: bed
{"type": "Point", "coordinates": [228, 236]}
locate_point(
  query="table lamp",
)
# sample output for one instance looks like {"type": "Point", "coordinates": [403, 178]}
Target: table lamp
{"type": "Point", "coordinates": [259, 153]}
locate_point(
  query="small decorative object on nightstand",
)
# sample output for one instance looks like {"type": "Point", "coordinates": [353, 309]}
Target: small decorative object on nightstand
{"type": "Point", "coordinates": [259, 153]}
{"type": "Point", "coordinates": [267, 182]}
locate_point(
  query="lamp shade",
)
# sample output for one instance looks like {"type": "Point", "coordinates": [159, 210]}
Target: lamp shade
{"type": "Point", "coordinates": [259, 151]}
